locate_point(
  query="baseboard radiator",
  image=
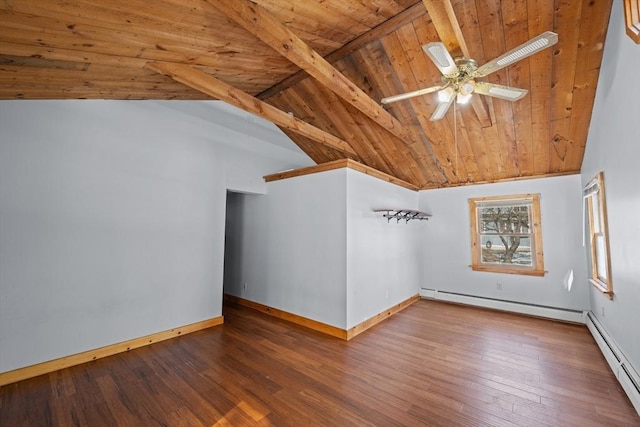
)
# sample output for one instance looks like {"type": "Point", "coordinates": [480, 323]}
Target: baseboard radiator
{"type": "Point", "coordinates": [565, 315]}
{"type": "Point", "coordinates": [625, 373]}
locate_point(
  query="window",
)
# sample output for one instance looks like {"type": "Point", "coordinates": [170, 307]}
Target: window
{"type": "Point", "coordinates": [632, 19]}
{"type": "Point", "coordinates": [598, 233]}
{"type": "Point", "coordinates": [506, 234]}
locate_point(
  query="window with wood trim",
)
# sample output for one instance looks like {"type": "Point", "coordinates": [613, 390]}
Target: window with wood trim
{"type": "Point", "coordinates": [632, 19]}
{"type": "Point", "coordinates": [598, 233]}
{"type": "Point", "coordinates": [506, 234]}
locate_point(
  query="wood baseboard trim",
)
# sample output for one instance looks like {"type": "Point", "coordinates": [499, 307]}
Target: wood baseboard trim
{"type": "Point", "coordinates": [361, 327]}
{"type": "Point", "coordinates": [98, 353]}
{"type": "Point", "coordinates": [290, 317]}
{"type": "Point", "coordinates": [323, 327]}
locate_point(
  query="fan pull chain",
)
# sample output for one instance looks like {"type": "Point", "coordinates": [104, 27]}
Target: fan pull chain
{"type": "Point", "coordinates": [455, 136]}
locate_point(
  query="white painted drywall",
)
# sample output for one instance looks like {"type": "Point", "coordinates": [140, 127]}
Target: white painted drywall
{"type": "Point", "coordinates": [383, 260]}
{"type": "Point", "coordinates": [613, 146]}
{"type": "Point", "coordinates": [112, 218]}
{"type": "Point", "coordinates": [292, 247]}
{"type": "Point", "coordinates": [446, 244]}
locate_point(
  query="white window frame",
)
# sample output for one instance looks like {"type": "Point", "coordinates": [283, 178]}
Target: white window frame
{"type": "Point", "coordinates": [597, 230]}
{"type": "Point", "coordinates": [534, 234]}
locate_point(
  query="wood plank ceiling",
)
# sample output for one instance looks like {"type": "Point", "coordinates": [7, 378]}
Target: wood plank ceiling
{"type": "Point", "coordinates": [318, 69]}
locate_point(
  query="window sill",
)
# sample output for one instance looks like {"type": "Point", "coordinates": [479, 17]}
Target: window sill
{"type": "Point", "coordinates": [507, 270]}
{"type": "Point", "coordinates": [602, 287]}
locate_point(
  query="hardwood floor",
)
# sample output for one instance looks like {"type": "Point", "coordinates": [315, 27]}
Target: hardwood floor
{"type": "Point", "coordinates": [431, 364]}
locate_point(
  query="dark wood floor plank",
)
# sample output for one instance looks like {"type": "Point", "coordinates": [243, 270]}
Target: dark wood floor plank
{"type": "Point", "coordinates": [432, 364]}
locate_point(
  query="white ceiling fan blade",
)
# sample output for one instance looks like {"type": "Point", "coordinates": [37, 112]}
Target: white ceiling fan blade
{"type": "Point", "coordinates": [442, 109]}
{"type": "Point", "coordinates": [534, 45]}
{"type": "Point", "coordinates": [411, 94]}
{"type": "Point", "coordinates": [441, 58]}
{"type": "Point", "coordinates": [499, 91]}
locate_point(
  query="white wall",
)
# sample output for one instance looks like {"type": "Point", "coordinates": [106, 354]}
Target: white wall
{"type": "Point", "coordinates": [613, 146]}
{"type": "Point", "coordinates": [383, 261]}
{"type": "Point", "coordinates": [446, 244]}
{"type": "Point", "coordinates": [112, 218]}
{"type": "Point", "coordinates": [314, 247]}
{"type": "Point", "coordinates": [293, 247]}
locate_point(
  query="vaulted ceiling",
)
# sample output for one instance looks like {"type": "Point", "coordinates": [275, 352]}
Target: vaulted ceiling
{"type": "Point", "coordinates": [318, 69]}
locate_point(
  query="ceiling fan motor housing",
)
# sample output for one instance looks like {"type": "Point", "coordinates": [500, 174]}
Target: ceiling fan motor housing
{"type": "Point", "coordinates": [462, 81]}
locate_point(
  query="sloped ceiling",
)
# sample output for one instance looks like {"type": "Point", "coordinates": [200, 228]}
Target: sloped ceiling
{"type": "Point", "coordinates": [318, 69]}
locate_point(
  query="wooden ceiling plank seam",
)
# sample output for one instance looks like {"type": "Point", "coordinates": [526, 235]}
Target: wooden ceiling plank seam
{"type": "Point", "coordinates": [446, 23]}
{"type": "Point", "coordinates": [420, 71]}
{"type": "Point", "coordinates": [409, 115]}
{"type": "Point", "coordinates": [210, 85]}
{"type": "Point", "coordinates": [318, 153]}
{"type": "Point", "coordinates": [592, 37]}
{"type": "Point", "coordinates": [343, 122]}
{"type": "Point", "coordinates": [492, 42]}
{"type": "Point", "coordinates": [289, 100]}
{"type": "Point", "coordinates": [467, 14]}
{"type": "Point", "coordinates": [387, 9]}
{"type": "Point", "coordinates": [541, 18]}
{"type": "Point", "coordinates": [565, 59]}
{"type": "Point", "coordinates": [518, 138]}
{"type": "Point", "coordinates": [96, 83]}
{"type": "Point", "coordinates": [257, 21]}
{"type": "Point", "coordinates": [68, 55]}
{"type": "Point", "coordinates": [336, 20]}
{"type": "Point", "coordinates": [155, 33]}
{"type": "Point", "coordinates": [354, 45]}
{"type": "Point", "coordinates": [516, 19]}
{"type": "Point", "coordinates": [375, 65]}
{"type": "Point", "coordinates": [560, 143]}
{"type": "Point", "coordinates": [473, 134]}
{"type": "Point", "coordinates": [92, 40]}
{"type": "Point", "coordinates": [393, 151]}
{"type": "Point", "coordinates": [567, 14]}
{"type": "Point", "coordinates": [441, 149]}
{"type": "Point", "coordinates": [117, 93]}
{"type": "Point", "coordinates": [464, 164]}
{"type": "Point", "coordinates": [595, 16]}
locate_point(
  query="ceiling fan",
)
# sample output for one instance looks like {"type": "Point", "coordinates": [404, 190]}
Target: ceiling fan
{"type": "Point", "coordinates": [459, 75]}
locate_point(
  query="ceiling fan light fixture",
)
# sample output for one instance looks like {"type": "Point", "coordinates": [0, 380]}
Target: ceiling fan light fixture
{"type": "Point", "coordinates": [467, 88]}
{"type": "Point", "coordinates": [445, 95]}
{"type": "Point", "coordinates": [463, 98]}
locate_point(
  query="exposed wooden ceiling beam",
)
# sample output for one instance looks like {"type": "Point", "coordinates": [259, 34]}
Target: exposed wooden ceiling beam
{"type": "Point", "coordinates": [387, 27]}
{"type": "Point", "coordinates": [208, 84]}
{"type": "Point", "coordinates": [446, 24]}
{"type": "Point", "coordinates": [259, 22]}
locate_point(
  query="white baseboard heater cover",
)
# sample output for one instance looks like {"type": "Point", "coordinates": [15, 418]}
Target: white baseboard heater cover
{"type": "Point", "coordinates": [624, 372]}
{"type": "Point", "coordinates": [575, 316]}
